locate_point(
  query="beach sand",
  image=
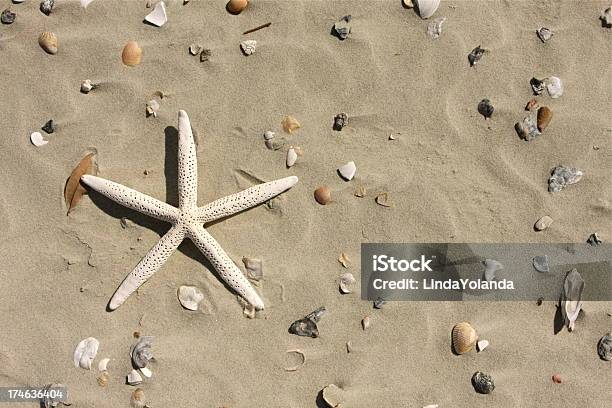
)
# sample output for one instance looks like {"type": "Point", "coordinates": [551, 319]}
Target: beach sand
{"type": "Point", "coordinates": [451, 175]}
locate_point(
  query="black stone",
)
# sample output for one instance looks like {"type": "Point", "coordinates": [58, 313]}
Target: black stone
{"type": "Point", "coordinates": [7, 17]}
{"type": "Point", "coordinates": [485, 108]}
{"type": "Point", "coordinates": [475, 55]}
{"type": "Point", "coordinates": [49, 127]}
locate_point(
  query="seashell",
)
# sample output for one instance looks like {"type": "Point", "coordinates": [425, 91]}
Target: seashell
{"type": "Point", "coordinates": [236, 6]}
{"type": "Point", "coordinates": [383, 200]}
{"type": "Point", "coordinates": [346, 281]}
{"type": "Point", "coordinates": [344, 260]}
{"type": "Point", "coordinates": [527, 129]}
{"type": "Point", "coordinates": [349, 346]}
{"type": "Point", "coordinates": [49, 127]}
{"type": "Point", "coordinates": [190, 297]}
{"type": "Point", "coordinates": [365, 323]}
{"type": "Point", "coordinates": [268, 135]}
{"type": "Point", "coordinates": [307, 326]}
{"type": "Point", "coordinates": [340, 121]}
{"type": "Point", "coordinates": [557, 379]}
{"type": "Point", "coordinates": [333, 396]}
{"type": "Point", "coordinates": [544, 116]}
{"type": "Point", "coordinates": [138, 399]}
{"type": "Point", "coordinates": [134, 378]}
{"type": "Point", "coordinates": [562, 176]}
{"type": "Point", "coordinates": [87, 86]}
{"type": "Point", "coordinates": [146, 372]}
{"type": "Point", "coordinates": [537, 86]}
{"type": "Point", "coordinates": [205, 55]}
{"type": "Point", "coordinates": [360, 191]}
{"type": "Point", "coordinates": [571, 298]}
{"type": "Point", "coordinates": [540, 263]}
{"type": "Point", "coordinates": [48, 42]}
{"type": "Point", "coordinates": [475, 55]}
{"type": "Point", "coordinates": [7, 17]}
{"type": "Point", "coordinates": [85, 3]}
{"type": "Point", "coordinates": [254, 268]}
{"type": "Point", "coordinates": [102, 379]}
{"type": "Point", "coordinates": [379, 303]}
{"type": "Point", "coordinates": [483, 383]}
{"type": "Point", "coordinates": [543, 223]}
{"type": "Point", "coordinates": [531, 105]}
{"type": "Point", "coordinates": [248, 46]}
{"type": "Point", "coordinates": [554, 87]}
{"type": "Point", "coordinates": [102, 364]}
{"type": "Point", "coordinates": [482, 344]}
{"type": "Point", "coordinates": [291, 156]}
{"type": "Point", "coordinates": [485, 108]}
{"type": "Point", "coordinates": [195, 49]}
{"type": "Point", "coordinates": [604, 347]}
{"type": "Point", "coordinates": [322, 195]}
{"type": "Point", "coordinates": [249, 310]}
{"type": "Point", "coordinates": [434, 28]}
{"type": "Point", "coordinates": [85, 353]}
{"type": "Point", "coordinates": [594, 240]}
{"type": "Point", "coordinates": [408, 3]}
{"type": "Point", "coordinates": [464, 337]}
{"type": "Point", "coordinates": [141, 351]}
{"type": "Point", "coordinates": [132, 54]}
{"type": "Point", "coordinates": [290, 124]}
{"type": "Point", "coordinates": [302, 358]}
{"type": "Point", "coordinates": [606, 18]}
{"type": "Point", "coordinates": [37, 139]}
{"type": "Point", "coordinates": [158, 16]}
{"type": "Point", "coordinates": [152, 108]}
{"type": "Point", "coordinates": [46, 6]}
{"type": "Point", "coordinates": [491, 266]}
{"type": "Point", "coordinates": [342, 28]}
{"type": "Point", "coordinates": [347, 171]}
{"type": "Point", "coordinates": [427, 8]}
{"type": "Point", "coordinates": [544, 34]}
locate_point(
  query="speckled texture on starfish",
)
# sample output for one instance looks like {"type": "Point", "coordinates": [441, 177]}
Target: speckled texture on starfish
{"type": "Point", "coordinates": [188, 219]}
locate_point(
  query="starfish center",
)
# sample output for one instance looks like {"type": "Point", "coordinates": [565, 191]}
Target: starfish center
{"type": "Point", "coordinates": [187, 217]}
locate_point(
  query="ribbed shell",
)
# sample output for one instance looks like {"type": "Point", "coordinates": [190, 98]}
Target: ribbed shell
{"type": "Point", "coordinates": [132, 54]}
{"type": "Point", "coordinates": [464, 337]}
{"type": "Point", "coordinates": [48, 42]}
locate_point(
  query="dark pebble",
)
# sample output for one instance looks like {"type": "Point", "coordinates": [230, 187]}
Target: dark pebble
{"type": "Point", "coordinates": [7, 17]}
{"type": "Point", "coordinates": [485, 108]}
{"type": "Point", "coordinates": [49, 127]}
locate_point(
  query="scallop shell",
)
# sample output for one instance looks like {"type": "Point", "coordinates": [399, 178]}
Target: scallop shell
{"type": "Point", "coordinates": [290, 124]}
{"type": "Point", "coordinates": [48, 42]}
{"type": "Point", "coordinates": [190, 297]}
{"type": "Point", "coordinates": [347, 171]}
{"type": "Point", "coordinates": [427, 8]}
{"type": "Point", "coordinates": [85, 353]}
{"type": "Point", "coordinates": [37, 139]}
{"type": "Point", "coordinates": [248, 47]}
{"type": "Point", "coordinates": [134, 378]}
{"type": "Point", "coordinates": [544, 116]}
{"type": "Point", "coordinates": [236, 6]}
{"type": "Point", "coordinates": [291, 157]}
{"type": "Point", "coordinates": [141, 352]}
{"type": "Point", "coordinates": [132, 54]}
{"type": "Point", "coordinates": [347, 280]}
{"type": "Point", "coordinates": [464, 337]}
{"type": "Point", "coordinates": [158, 16]}
{"type": "Point", "coordinates": [138, 399]}
{"type": "Point", "coordinates": [322, 195]}
{"type": "Point", "coordinates": [554, 86]}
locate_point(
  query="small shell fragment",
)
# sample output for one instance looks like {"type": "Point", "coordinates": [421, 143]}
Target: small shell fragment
{"type": "Point", "coordinates": [205, 54]}
{"type": "Point", "coordinates": [544, 34]}
{"type": "Point", "coordinates": [540, 263]}
{"type": "Point", "coordinates": [190, 297]}
{"type": "Point", "coordinates": [248, 47]}
{"type": "Point", "coordinates": [383, 200]}
{"type": "Point", "coordinates": [491, 266]}
{"type": "Point", "coordinates": [146, 372]}
{"type": "Point", "coordinates": [249, 310]}
{"type": "Point", "coordinates": [482, 344]}
{"type": "Point", "coordinates": [594, 240]}
{"type": "Point", "coordinates": [322, 195]}
{"type": "Point", "coordinates": [537, 85]}
{"type": "Point", "coordinates": [138, 399]}
{"type": "Point", "coordinates": [434, 28]}
{"type": "Point", "coordinates": [290, 124]}
{"type": "Point", "coordinates": [347, 280]}
{"type": "Point", "coordinates": [152, 108]}
{"type": "Point", "coordinates": [340, 121]}
{"type": "Point", "coordinates": [464, 337]}
{"type": "Point", "coordinates": [604, 347]}
{"type": "Point", "coordinates": [291, 157]}
{"type": "Point", "coordinates": [527, 129]}
{"type": "Point", "coordinates": [37, 139]}
{"type": "Point", "coordinates": [427, 8]}
{"type": "Point", "coordinates": [102, 379]}
{"type": "Point", "coordinates": [49, 127]}
{"type": "Point", "coordinates": [195, 49]}
{"type": "Point", "coordinates": [475, 55]}
{"type": "Point", "coordinates": [562, 176]}
{"type": "Point", "coordinates": [134, 378]}
{"type": "Point", "coordinates": [342, 28]}
{"type": "Point", "coordinates": [347, 171]}
{"type": "Point", "coordinates": [365, 322]}
{"type": "Point", "coordinates": [158, 16]}
{"type": "Point", "coordinates": [7, 17]}
{"type": "Point", "coordinates": [606, 18]}
{"type": "Point", "coordinates": [141, 351]}
{"type": "Point", "coordinates": [571, 298]}
{"type": "Point", "coordinates": [557, 378]}
{"type": "Point", "coordinates": [85, 352]}
{"type": "Point", "coordinates": [48, 42]}
{"type": "Point", "coordinates": [360, 191]}
{"type": "Point", "coordinates": [333, 396]}
{"type": "Point", "coordinates": [102, 364]}
{"type": "Point", "coordinates": [307, 326]}
{"type": "Point", "coordinates": [543, 223]}
{"type": "Point", "coordinates": [483, 383]}
{"type": "Point", "coordinates": [254, 268]}
{"type": "Point", "coordinates": [87, 86]}
{"type": "Point", "coordinates": [531, 105]}
{"type": "Point", "coordinates": [301, 357]}
{"type": "Point", "coordinates": [46, 6]}
{"type": "Point", "coordinates": [344, 260]}
{"type": "Point", "coordinates": [554, 87]}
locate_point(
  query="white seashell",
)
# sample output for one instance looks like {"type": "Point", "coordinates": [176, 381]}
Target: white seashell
{"type": "Point", "coordinates": [482, 344]}
{"type": "Point", "coordinates": [141, 351]}
{"type": "Point", "coordinates": [190, 297]}
{"type": "Point", "coordinates": [571, 298]}
{"type": "Point", "coordinates": [408, 3]}
{"type": "Point", "coordinates": [248, 46]}
{"type": "Point", "coordinates": [37, 139]}
{"type": "Point", "coordinates": [269, 135]}
{"type": "Point", "coordinates": [195, 49]}
{"type": "Point", "coordinates": [365, 323]}
{"type": "Point", "coordinates": [146, 372]}
{"type": "Point", "coordinates": [427, 8]}
{"type": "Point", "coordinates": [291, 156]}
{"type": "Point", "coordinates": [152, 108]}
{"type": "Point", "coordinates": [554, 86]}
{"type": "Point", "coordinates": [102, 364]}
{"type": "Point", "coordinates": [86, 86]}
{"type": "Point", "coordinates": [346, 281]}
{"type": "Point", "coordinates": [491, 266]}
{"type": "Point", "coordinates": [85, 353]}
{"type": "Point", "coordinates": [133, 378]}
{"type": "Point", "coordinates": [431, 406]}
{"type": "Point", "coordinates": [347, 172]}
{"type": "Point", "coordinates": [254, 268]}
{"type": "Point", "coordinates": [606, 17]}
{"type": "Point", "coordinates": [85, 3]}
{"type": "Point", "coordinates": [158, 16]}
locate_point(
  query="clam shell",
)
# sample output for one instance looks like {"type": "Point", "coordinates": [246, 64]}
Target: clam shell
{"type": "Point", "coordinates": [347, 280]}
{"type": "Point", "coordinates": [158, 16]}
{"type": "Point", "coordinates": [134, 378]}
{"type": "Point", "coordinates": [236, 6]}
{"type": "Point", "coordinates": [290, 124]}
{"type": "Point", "coordinates": [322, 195]}
{"type": "Point", "coordinates": [347, 171]}
{"type": "Point", "coordinates": [85, 353]}
{"type": "Point", "coordinates": [138, 399]}
{"type": "Point", "coordinates": [190, 297]}
{"type": "Point", "coordinates": [48, 42]}
{"type": "Point", "coordinates": [291, 157]}
{"type": "Point", "coordinates": [464, 337]}
{"type": "Point", "coordinates": [132, 54]}
{"type": "Point", "coordinates": [141, 351]}
{"type": "Point", "coordinates": [427, 8]}
{"type": "Point", "coordinates": [544, 116]}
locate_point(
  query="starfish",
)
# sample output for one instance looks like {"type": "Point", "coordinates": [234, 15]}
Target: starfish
{"type": "Point", "coordinates": [188, 219]}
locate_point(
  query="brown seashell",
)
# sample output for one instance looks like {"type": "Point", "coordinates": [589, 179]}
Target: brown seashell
{"type": "Point", "coordinates": [544, 116]}
{"type": "Point", "coordinates": [236, 6]}
{"type": "Point", "coordinates": [132, 54]}
{"type": "Point", "coordinates": [322, 195]}
{"type": "Point", "coordinates": [290, 124]}
{"type": "Point", "coordinates": [48, 42]}
{"type": "Point", "coordinates": [138, 398]}
{"type": "Point", "coordinates": [102, 379]}
{"type": "Point", "coordinates": [464, 337]}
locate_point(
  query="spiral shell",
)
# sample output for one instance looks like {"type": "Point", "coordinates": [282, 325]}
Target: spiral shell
{"type": "Point", "coordinates": [132, 54]}
{"type": "Point", "coordinates": [464, 337]}
{"type": "Point", "coordinates": [236, 6]}
{"type": "Point", "coordinates": [48, 42]}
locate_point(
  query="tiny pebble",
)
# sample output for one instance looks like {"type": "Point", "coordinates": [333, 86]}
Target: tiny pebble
{"type": "Point", "coordinates": [557, 379]}
{"type": "Point", "coordinates": [594, 239]}
{"type": "Point", "coordinates": [7, 17]}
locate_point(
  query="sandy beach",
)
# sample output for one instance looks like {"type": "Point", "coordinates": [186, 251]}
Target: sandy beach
{"type": "Point", "coordinates": [450, 174]}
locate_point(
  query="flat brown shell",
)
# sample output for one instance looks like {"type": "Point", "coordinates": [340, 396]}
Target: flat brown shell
{"type": "Point", "coordinates": [48, 42]}
{"type": "Point", "coordinates": [544, 117]}
{"type": "Point", "coordinates": [132, 54]}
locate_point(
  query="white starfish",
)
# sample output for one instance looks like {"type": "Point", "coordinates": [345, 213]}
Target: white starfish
{"type": "Point", "coordinates": [188, 219]}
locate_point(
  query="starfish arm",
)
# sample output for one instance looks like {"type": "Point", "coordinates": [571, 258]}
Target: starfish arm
{"type": "Point", "coordinates": [187, 164]}
{"type": "Point", "coordinates": [131, 198]}
{"type": "Point", "coordinates": [224, 265]}
{"type": "Point", "coordinates": [248, 198]}
{"type": "Point", "coordinates": [148, 265]}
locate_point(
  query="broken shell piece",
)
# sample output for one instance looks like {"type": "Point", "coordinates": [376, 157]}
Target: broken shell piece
{"type": "Point", "coordinates": [48, 42]}
{"type": "Point", "coordinates": [194, 49]}
{"type": "Point", "coordinates": [527, 129]}
{"type": "Point", "coordinates": [248, 46]}
{"type": "Point", "coordinates": [531, 105]}
{"type": "Point", "coordinates": [434, 28]}
{"type": "Point", "coordinates": [360, 191]}
{"type": "Point", "coordinates": [301, 357]}
{"type": "Point", "coordinates": [291, 157]}
{"type": "Point", "coordinates": [604, 347]}
{"type": "Point", "coordinates": [475, 55]}
{"type": "Point", "coordinates": [236, 6]}
{"type": "Point", "coordinates": [344, 260]}
{"type": "Point", "coordinates": [290, 124]}
{"type": "Point", "coordinates": [557, 379]}
{"type": "Point", "coordinates": [540, 263]}
{"type": "Point", "coordinates": [427, 8]}
{"type": "Point", "coordinates": [102, 364]}
{"type": "Point", "coordinates": [464, 337]}
{"type": "Point", "coordinates": [347, 171]}
{"type": "Point", "coordinates": [87, 86]}
{"type": "Point", "coordinates": [571, 298]}
{"type": "Point", "coordinates": [205, 55]}
{"type": "Point", "coordinates": [190, 297]}
{"type": "Point", "coordinates": [554, 86]}
{"type": "Point", "coordinates": [349, 347]}
{"type": "Point", "coordinates": [37, 139]}
{"type": "Point", "coordinates": [379, 303]}
{"type": "Point", "coordinates": [249, 310]}
{"type": "Point", "coordinates": [146, 372]}
{"type": "Point", "coordinates": [134, 378]}
{"type": "Point", "coordinates": [50, 396]}
{"type": "Point", "coordinates": [141, 351]}
{"type": "Point", "coordinates": [365, 322]}
{"type": "Point", "coordinates": [333, 396]}
{"type": "Point", "coordinates": [46, 6]}
{"type": "Point", "coordinates": [85, 353]}
{"type": "Point", "coordinates": [322, 195]}
{"type": "Point", "coordinates": [483, 383]}
{"type": "Point", "coordinates": [537, 86]}
{"type": "Point", "coordinates": [408, 3]}
{"type": "Point", "coordinates": [544, 34]}
{"type": "Point", "coordinates": [158, 16]}
{"type": "Point", "coordinates": [152, 108]}
{"type": "Point", "coordinates": [606, 18]}
{"type": "Point", "coordinates": [482, 344]}
{"type": "Point", "coordinates": [253, 267]}
{"type": "Point", "coordinates": [85, 3]}
{"type": "Point", "coordinates": [275, 144]}
{"type": "Point", "coordinates": [485, 108]}
{"type": "Point", "coordinates": [562, 176]}
{"type": "Point", "coordinates": [544, 117]}
{"type": "Point", "coordinates": [340, 121]}
{"type": "Point", "coordinates": [268, 135]}
{"type": "Point", "coordinates": [138, 399]}
{"type": "Point", "coordinates": [543, 223]}
{"type": "Point", "coordinates": [132, 54]}
{"type": "Point", "coordinates": [102, 379]}
{"type": "Point", "coordinates": [342, 28]}
{"type": "Point", "coordinates": [491, 266]}
{"type": "Point", "coordinates": [594, 239]}
{"type": "Point", "coordinates": [307, 326]}
{"type": "Point", "coordinates": [347, 280]}
{"type": "Point", "coordinates": [383, 200]}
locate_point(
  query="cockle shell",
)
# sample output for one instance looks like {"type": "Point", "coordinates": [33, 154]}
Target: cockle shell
{"type": "Point", "coordinates": [248, 46]}
{"type": "Point", "coordinates": [464, 337]}
{"type": "Point", "coordinates": [290, 124]}
{"type": "Point", "coordinates": [427, 8]}
{"type": "Point", "coordinates": [347, 171]}
{"type": "Point", "coordinates": [544, 117]}
{"type": "Point", "coordinates": [236, 6]}
{"type": "Point", "coordinates": [571, 298]}
{"type": "Point", "coordinates": [138, 399]}
{"type": "Point", "coordinates": [141, 352]}
{"type": "Point", "coordinates": [291, 157]}
{"type": "Point", "coordinates": [158, 16]}
{"type": "Point", "coordinates": [132, 54]}
{"type": "Point", "coordinates": [554, 86]}
{"type": "Point", "coordinates": [190, 297]}
{"type": "Point", "coordinates": [347, 280]}
{"type": "Point", "coordinates": [37, 139]}
{"type": "Point", "coordinates": [85, 353]}
{"type": "Point", "coordinates": [48, 42]}
{"type": "Point", "coordinates": [134, 378]}
{"type": "Point", "coordinates": [322, 195]}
